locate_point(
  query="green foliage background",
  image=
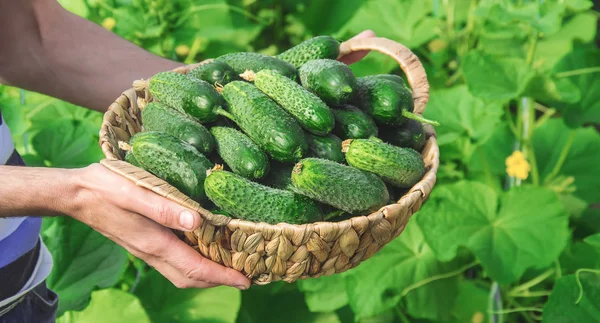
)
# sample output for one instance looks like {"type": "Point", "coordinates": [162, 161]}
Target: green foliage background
{"type": "Point", "coordinates": [505, 75]}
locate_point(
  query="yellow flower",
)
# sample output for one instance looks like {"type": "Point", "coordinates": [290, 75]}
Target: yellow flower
{"type": "Point", "coordinates": [182, 50]}
{"type": "Point", "coordinates": [109, 23]}
{"type": "Point", "coordinates": [517, 166]}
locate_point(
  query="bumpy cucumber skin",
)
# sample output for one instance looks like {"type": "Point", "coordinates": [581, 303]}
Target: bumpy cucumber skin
{"type": "Point", "coordinates": [401, 167]}
{"type": "Point", "coordinates": [319, 47]}
{"type": "Point", "coordinates": [391, 77]}
{"type": "Point", "coordinates": [344, 187]}
{"type": "Point", "coordinates": [325, 147]}
{"type": "Point", "coordinates": [410, 135]}
{"type": "Point", "coordinates": [240, 153]}
{"type": "Point", "coordinates": [243, 61]}
{"type": "Point", "coordinates": [189, 95]}
{"type": "Point", "coordinates": [215, 72]}
{"type": "Point", "coordinates": [265, 122]}
{"type": "Point", "coordinates": [353, 123]}
{"type": "Point", "coordinates": [252, 201]}
{"type": "Point", "coordinates": [383, 99]}
{"type": "Point", "coordinates": [159, 117]}
{"type": "Point", "coordinates": [131, 159]}
{"type": "Point", "coordinates": [173, 160]}
{"type": "Point", "coordinates": [309, 110]}
{"type": "Point", "coordinates": [331, 80]}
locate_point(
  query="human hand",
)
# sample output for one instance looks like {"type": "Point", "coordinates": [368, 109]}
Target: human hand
{"type": "Point", "coordinates": [138, 220]}
{"type": "Point", "coordinates": [357, 56]}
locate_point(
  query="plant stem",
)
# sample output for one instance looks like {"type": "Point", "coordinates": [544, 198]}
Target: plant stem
{"type": "Point", "coordinates": [578, 281]}
{"type": "Point", "coordinates": [410, 115]}
{"type": "Point", "coordinates": [437, 277]}
{"type": "Point", "coordinates": [527, 294]}
{"type": "Point", "coordinates": [401, 315]}
{"type": "Point", "coordinates": [562, 157]}
{"type": "Point", "coordinates": [534, 281]}
{"type": "Point", "coordinates": [511, 122]}
{"type": "Point", "coordinates": [547, 115]}
{"type": "Point", "coordinates": [581, 71]}
{"type": "Point", "coordinates": [518, 310]}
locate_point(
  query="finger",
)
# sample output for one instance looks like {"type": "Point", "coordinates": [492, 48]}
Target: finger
{"type": "Point", "coordinates": [160, 209]}
{"type": "Point", "coordinates": [357, 56]}
{"type": "Point", "coordinates": [198, 268]}
{"type": "Point", "coordinates": [178, 279]}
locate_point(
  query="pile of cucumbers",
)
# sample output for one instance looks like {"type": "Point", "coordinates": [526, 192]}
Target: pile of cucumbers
{"type": "Point", "coordinates": [293, 138]}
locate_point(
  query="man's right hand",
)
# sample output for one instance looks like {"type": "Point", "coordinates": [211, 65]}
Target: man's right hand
{"type": "Point", "coordinates": [138, 220]}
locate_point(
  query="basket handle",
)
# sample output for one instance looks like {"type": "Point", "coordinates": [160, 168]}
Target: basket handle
{"type": "Point", "coordinates": [408, 61]}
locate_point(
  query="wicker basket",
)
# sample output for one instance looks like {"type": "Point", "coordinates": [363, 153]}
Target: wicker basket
{"type": "Point", "coordinates": [265, 252]}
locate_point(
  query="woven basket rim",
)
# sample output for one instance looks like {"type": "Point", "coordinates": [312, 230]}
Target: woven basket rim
{"type": "Point", "coordinates": [417, 80]}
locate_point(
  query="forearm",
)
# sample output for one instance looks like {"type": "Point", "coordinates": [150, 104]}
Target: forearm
{"type": "Point", "coordinates": [34, 191]}
{"type": "Point", "coordinates": [46, 49]}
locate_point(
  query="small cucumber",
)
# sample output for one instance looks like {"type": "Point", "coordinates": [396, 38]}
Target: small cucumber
{"type": "Point", "coordinates": [159, 117]}
{"type": "Point", "coordinates": [186, 94]}
{"type": "Point", "coordinates": [410, 135]}
{"type": "Point", "coordinates": [326, 147]}
{"type": "Point", "coordinates": [310, 111]}
{"type": "Point", "coordinates": [252, 201]}
{"type": "Point", "coordinates": [255, 62]}
{"type": "Point", "coordinates": [352, 123]}
{"type": "Point", "coordinates": [392, 77]}
{"type": "Point", "coordinates": [314, 48]}
{"type": "Point", "coordinates": [386, 100]}
{"type": "Point", "coordinates": [401, 167]}
{"type": "Point", "coordinates": [239, 153]}
{"type": "Point", "coordinates": [344, 187]}
{"type": "Point", "coordinates": [215, 72]}
{"type": "Point", "coordinates": [265, 122]}
{"type": "Point", "coordinates": [173, 160]}
{"type": "Point", "coordinates": [131, 159]}
{"type": "Point", "coordinates": [331, 80]}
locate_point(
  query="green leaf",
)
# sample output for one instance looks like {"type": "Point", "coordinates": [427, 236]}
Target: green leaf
{"type": "Point", "coordinates": [579, 255]}
{"type": "Point", "coordinates": [593, 240]}
{"type": "Point", "coordinates": [404, 21]}
{"type": "Point", "coordinates": [68, 143]}
{"type": "Point", "coordinates": [471, 303]}
{"type": "Point", "coordinates": [492, 154]}
{"type": "Point", "coordinates": [579, 5]}
{"type": "Point", "coordinates": [586, 110]}
{"type": "Point", "coordinates": [495, 78]}
{"type": "Point", "coordinates": [523, 228]}
{"type": "Point", "coordinates": [467, 121]}
{"type": "Point", "coordinates": [108, 305]}
{"type": "Point", "coordinates": [83, 260]}
{"type": "Point", "coordinates": [324, 294]}
{"type": "Point", "coordinates": [550, 90]}
{"type": "Point", "coordinates": [581, 159]}
{"type": "Point", "coordinates": [377, 284]}
{"type": "Point", "coordinates": [77, 7]}
{"type": "Point", "coordinates": [166, 303]}
{"type": "Point", "coordinates": [312, 16]}
{"type": "Point", "coordinates": [562, 306]}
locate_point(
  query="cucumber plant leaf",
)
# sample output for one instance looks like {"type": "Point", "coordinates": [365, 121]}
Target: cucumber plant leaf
{"type": "Point", "coordinates": [324, 294]}
{"type": "Point", "coordinates": [565, 304]}
{"type": "Point", "coordinates": [593, 240]}
{"type": "Point", "coordinates": [378, 284]}
{"type": "Point", "coordinates": [471, 303]}
{"type": "Point", "coordinates": [580, 162]}
{"type": "Point", "coordinates": [579, 255]}
{"type": "Point", "coordinates": [509, 233]}
{"type": "Point", "coordinates": [495, 78]}
{"type": "Point", "coordinates": [109, 305]}
{"type": "Point", "coordinates": [467, 121]}
{"type": "Point", "coordinates": [166, 303]}
{"type": "Point", "coordinates": [83, 260]}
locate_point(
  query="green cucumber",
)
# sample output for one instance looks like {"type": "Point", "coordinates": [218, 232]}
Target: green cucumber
{"type": "Point", "coordinates": [188, 95]}
{"type": "Point", "coordinates": [310, 111]}
{"type": "Point", "coordinates": [215, 72]}
{"type": "Point", "coordinates": [314, 48]}
{"type": "Point", "coordinates": [386, 100]}
{"type": "Point", "coordinates": [401, 167]}
{"type": "Point", "coordinates": [240, 153]}
{"type": "Point", "coordinates": [326, 147]}
{"type": "Point", "coordinates": [159, 117]}
{"type": "Point", "coordinates": [410, 135]}
{"type": "Point", "coordinates": [265, 122]}
{"type": "Point", "coordinates": [255, 62]}
{"type": "Point", "coordinates": [352, 123]}
{"type": "Point", "coordinates": [331, 80]}
{"type": "Point", "coordinates": [392, 77]}
{"type": "Point", "coordinates": [172, 160]}
{"type": "Point", "coordinates": [131, 159]}
{"type": "Point", "coordinates": [344, 187]}
{"type": "Point", "coordinates": [252, 201]}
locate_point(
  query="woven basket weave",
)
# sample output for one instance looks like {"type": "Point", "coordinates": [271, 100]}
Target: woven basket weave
{"type": "Point", "coordinates": [265, 252]}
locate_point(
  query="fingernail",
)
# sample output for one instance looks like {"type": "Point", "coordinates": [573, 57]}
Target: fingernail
{"type": "Point", "coordinates": [242, 287]}
{"type": "Point", "coordinates": [186, 219]}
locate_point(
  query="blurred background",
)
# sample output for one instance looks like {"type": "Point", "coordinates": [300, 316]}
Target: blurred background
{"type": "Point", "coordinates": [516, 88]}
